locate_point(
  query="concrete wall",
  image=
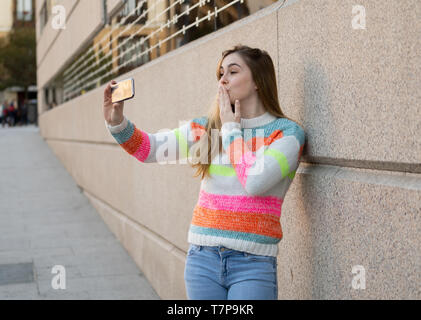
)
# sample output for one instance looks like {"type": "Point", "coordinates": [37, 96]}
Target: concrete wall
{"type": "Point", "coordinates": [356, 197]}
{"type": "Point", "coordinates": [6, 17]}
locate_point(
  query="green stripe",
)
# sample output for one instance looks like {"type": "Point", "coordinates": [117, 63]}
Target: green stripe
{"type": "Point", "coordinates": [182, 143]}
{"type": "Point", "coordinates": [292, 174]}
{"type": "Point", "coordinates": [220, 170]}
{"type": "Point", "coordinates": [282, 161]}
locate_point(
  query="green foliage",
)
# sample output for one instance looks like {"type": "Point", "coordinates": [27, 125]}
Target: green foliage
{"type": "Point", "coordinates": [18, 58]}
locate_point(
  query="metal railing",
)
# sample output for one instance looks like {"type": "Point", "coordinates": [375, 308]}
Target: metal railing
{"type": "Point", "coordinates": [134, 37]}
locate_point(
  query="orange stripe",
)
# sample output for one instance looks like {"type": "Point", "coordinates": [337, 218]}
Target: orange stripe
{"type": "Point", "coordinates": [197, 131]}
{"type": "Point", "coordinates": [236, 151]}
{"type": "Point", "coordinates": [267, 225]}
{"type": "Point", "coordinates": [134, 142]}
{"type": "Point", "coordinates": [256, 143]}
{"type": "Point", "coordinates": [277, 134]}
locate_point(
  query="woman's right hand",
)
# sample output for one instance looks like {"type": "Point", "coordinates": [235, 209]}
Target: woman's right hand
{"type": "Point", "coordinates": [113, 112]}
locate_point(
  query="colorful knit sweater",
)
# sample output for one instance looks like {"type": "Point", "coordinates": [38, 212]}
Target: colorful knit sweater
{"type": "Point", "coordinates": [239, 206]}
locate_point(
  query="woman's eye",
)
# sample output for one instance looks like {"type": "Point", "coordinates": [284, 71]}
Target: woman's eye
{"type": "Point", "coordinates": [223, 74]}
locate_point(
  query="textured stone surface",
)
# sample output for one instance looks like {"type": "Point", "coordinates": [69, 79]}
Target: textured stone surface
{"type": "Point", "coordinates": [335, 221]}
{"type": "Point", "coordinates": [356, 91]}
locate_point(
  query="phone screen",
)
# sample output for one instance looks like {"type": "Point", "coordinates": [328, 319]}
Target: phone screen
{"type": "Point", "coordinates": [122, 90]}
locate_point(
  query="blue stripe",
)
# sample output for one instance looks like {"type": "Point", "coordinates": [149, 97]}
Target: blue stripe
{"type": "Point", "coordinates": [124, 135]}
{"type": "Point", "coordinates": [227, 140]}
{"type": "Point", "coordinates": [234, 235]}
{"type": "Point", "coordinates": [293, 129]}
{"type": "Point", "coordinates": [203, 121]}
{"type": "Point", "coordinates": [288, 127]}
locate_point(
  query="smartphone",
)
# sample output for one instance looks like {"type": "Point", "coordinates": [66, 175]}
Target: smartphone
{"type": "Point", "coordinates": [122, 90]}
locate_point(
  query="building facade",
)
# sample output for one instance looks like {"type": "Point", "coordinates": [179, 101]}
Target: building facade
{"type": "Point", "coordinates": [6, 17]}
{"type": "Point", "coordinates": [17, 14]}
{"type": "Point", "coordinates": [349, 74]}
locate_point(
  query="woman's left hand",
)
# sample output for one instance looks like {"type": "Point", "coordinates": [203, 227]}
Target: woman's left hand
{"type": "Point", "coordinates": [225, 110]}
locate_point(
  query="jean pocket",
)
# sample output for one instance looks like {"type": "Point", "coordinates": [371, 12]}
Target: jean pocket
{"type": "Point", "coordinates": [259, 258]}
{"type": "Point", "coordinates": [193, 248]}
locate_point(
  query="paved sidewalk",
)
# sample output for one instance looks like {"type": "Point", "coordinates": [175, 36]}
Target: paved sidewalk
{"type": "Point", "coordinates": [46, 221]}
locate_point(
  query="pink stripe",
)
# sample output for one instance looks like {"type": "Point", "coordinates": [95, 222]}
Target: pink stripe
{"type": "Point", "coordinates": [256, 204]}
{"type": "Point", "coordinates": [243, 167]}
{"type": "Point", "coordinates": [143, 152]}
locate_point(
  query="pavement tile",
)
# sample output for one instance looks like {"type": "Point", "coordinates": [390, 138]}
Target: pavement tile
{"type": "Point", "coordinates": [46, 220]}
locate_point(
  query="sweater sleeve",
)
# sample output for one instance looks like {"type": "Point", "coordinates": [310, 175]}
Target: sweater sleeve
{"type": "Point", "coordinates": [162, 147]}
{"type": "Point", "coordinates": [261, 170]}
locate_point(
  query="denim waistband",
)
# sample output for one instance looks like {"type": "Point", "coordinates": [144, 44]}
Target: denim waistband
{"type": "Point", "coordinates": [224, 251]}
{"type": "Point", "coordinates": [221, 250]}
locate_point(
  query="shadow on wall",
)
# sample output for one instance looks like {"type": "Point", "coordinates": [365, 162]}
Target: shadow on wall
{"type": "Point", "coordinates": [319, 264]}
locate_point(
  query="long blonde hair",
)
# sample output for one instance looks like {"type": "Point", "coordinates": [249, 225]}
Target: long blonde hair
{"type": "Point", "coordinates": [263, 73]}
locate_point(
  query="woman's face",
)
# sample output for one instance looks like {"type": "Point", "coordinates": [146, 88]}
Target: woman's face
{"type": "Point", "coordinates": [236, 77]}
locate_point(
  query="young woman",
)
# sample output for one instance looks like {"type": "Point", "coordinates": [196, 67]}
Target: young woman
{"type": "Point", "coordinates": [235, 228]}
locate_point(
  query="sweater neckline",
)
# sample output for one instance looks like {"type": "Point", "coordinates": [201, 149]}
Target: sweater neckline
{"type": "Point", "coordinates": [257, 121]}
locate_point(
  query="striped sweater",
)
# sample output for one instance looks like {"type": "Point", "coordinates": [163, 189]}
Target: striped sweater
{"type": "Point", "coordinates": [239, 206]}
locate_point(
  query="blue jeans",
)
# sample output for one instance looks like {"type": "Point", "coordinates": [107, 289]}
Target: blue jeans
{"type": "Point", "coordinates": [219, 273]}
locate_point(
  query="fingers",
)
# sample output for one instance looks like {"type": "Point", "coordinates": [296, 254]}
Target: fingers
{"type": "Point", "coordinates": [108, 89]}
{"type": "Point", "coordinates": [220, 97]}
{"type": "Point", "coordinates": [113, 85]}
{"type": "Point", "coordinates": [220, 100]}
{"type": "Point", "coordinates": [118, 105]}
{"type": "Point", "coordinates": [226, 99]}
{"type": "Point", "coordinates": [237, 110]}
{"type": "Point", "coordinates": [223, 97]}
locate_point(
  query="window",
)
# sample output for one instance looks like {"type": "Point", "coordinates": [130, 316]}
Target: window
{"type": "Point", "coordinates": [43, 16]}
{"type": "Point", "coordinates": [45, 13]}
{"type": "Point", "coordinates": [24, 10]}
{"type": "Point", "coordinates": [169, 24]}
{"type": "Point", "coordinates": [131, 52]}
{"type": "Point", "coordinates": [129, 6]}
